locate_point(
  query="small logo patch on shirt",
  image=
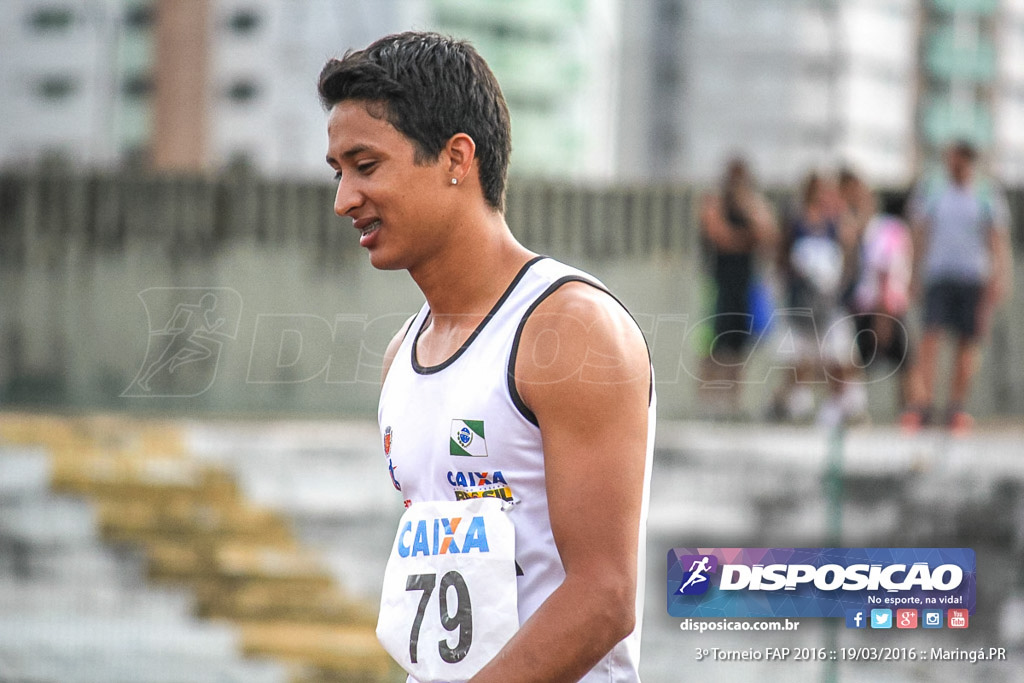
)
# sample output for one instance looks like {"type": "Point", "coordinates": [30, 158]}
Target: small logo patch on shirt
{"type": "Point", "coordinates": [467, 439]}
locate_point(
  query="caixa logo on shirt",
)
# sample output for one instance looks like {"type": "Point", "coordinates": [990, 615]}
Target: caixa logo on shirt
{"type": "Point", "coordinates": [442, 536]}
{"type": "Point", "coordinates": [480, 485]}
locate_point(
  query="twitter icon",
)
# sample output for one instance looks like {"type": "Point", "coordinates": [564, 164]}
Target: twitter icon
{"type": "Point", "coordinates": [881, 618]}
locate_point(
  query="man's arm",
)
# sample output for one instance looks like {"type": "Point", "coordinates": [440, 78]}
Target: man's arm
{"type": "Point", "coordinates": [583, 370]}
{"type": "Point", "coordinates": [1000, 281]}
{"type": "Point", "coordinates": [717, 230]}
{"type": "Point", "coordinates": [392, 349]}
{"type": "Point", "coordinates": [1002, 265]}
{"type": "Point", "coordinates": [918, 222]}
{"type": "Point", "coordinates": [763, 224]}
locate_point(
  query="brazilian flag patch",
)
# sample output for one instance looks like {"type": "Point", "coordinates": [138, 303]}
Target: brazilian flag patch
{"type": "Point", "coordinates": [468, 439]}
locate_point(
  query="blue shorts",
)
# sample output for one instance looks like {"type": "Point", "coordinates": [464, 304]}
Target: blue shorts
{"type": "Point", "coordinates": [953, 305]}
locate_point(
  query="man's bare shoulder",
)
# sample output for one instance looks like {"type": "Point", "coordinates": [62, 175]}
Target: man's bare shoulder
{"type": "Point", "coordinates": [580, 332]}
{"type": "Point", "coordinates": [392, 348]}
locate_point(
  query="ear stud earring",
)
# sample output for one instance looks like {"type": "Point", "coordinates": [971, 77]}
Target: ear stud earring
{"type": "Point", "coordinates": [455, 181]}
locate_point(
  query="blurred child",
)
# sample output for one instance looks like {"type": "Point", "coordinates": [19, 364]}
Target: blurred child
{"type": "Point", "coordinates": [881, 295]}
{"type": "Point", "coordinates": [819, 341]}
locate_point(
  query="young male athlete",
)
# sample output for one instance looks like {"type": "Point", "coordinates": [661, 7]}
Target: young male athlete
{"type": "Point", "coordinates": [522, 390]}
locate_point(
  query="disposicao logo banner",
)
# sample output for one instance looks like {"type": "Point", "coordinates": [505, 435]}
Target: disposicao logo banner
{"type": "Point", "coordinates": [816, 582]}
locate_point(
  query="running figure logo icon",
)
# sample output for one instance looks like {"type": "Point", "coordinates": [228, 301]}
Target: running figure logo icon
{"type": "Point", "coordinates": [188, 328]}
{"type": "Point", "coordinates": [695, 581]}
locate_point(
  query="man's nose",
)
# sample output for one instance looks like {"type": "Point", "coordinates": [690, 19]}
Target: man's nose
{"type": "Point", "coordinates": [346, 198]}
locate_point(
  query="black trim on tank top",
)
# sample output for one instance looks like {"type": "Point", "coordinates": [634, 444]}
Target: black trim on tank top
{"type": "Point", "coordinates": [406, 326]}
{"type": "Point", "coordinates": [429, 370]}
{"type": "Point", "coordinates": [510, 382]}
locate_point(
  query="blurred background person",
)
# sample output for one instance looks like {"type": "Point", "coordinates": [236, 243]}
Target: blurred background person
{"type": "Point", "coordinates": [960, 226]}
{"type": "Point", "coordinates": [858, 206]}
{"type": "Point", "coordinates": [880, 296]}
{"type": "Point", "coordinates": [737, 224]}
{"type": "Point", "coordinates": [820, 347]}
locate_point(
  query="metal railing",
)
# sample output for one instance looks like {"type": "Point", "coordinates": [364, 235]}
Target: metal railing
{"type": "Point", "coordinates": [194, 214]}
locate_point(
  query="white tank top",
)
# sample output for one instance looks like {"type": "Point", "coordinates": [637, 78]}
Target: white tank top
{"type": "Point", "coordinates": [460, 429]}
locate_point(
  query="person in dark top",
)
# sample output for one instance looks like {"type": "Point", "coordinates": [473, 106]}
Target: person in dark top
{"type": "Point", "coordinates": [819, 334]}
{"type": "Point", "coordinates": [736, 223]}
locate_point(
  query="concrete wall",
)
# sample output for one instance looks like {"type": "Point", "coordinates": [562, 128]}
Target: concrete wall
{"type": "Point", "coordinates": [103, 279]}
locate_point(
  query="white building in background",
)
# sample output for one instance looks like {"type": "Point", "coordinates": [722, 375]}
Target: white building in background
{"type": "Point", "coordinates": [790, 84]}
{"type": "Point", "coordinates": [557, 62]}
{"type": "Point", "coordinates": [265, 56]}
{"type": "Point", "coordinates": [74, 78]}
{"type": "Point", "coordinates": [875, 88]}
{"type": "Point", "coordinates": [552, 57]}
{"type": "Point", "coordinates": [85, 81]}
{"type": "Point", "coordinates": [633, 90]}
{"type": "Point", "coordinates": [1008, 154]}
{"type": "Point", "coordinates": [82, 79]}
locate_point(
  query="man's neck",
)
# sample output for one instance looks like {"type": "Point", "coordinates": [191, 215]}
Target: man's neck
{"type": "Point", "coordinates": [964, 181]}
{"type": "Point", "coordinates": [465, 280]}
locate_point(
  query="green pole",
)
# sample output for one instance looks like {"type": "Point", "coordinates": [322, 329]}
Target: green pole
{"type": "Point", "coordinates": [834, 512]}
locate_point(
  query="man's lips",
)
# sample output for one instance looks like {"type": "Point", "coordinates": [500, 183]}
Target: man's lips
{"type": "Point", "coordinates": [367, 228]}
{"type": "Point", "coordinates": [363, 224]}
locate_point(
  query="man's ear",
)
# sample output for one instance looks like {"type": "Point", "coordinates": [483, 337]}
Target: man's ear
{"type": "Point", "coordinates": [461, 152]}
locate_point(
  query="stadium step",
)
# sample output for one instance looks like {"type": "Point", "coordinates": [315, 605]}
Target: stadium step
{"type": "Point", "coordinates": [134, 488]}
{"type": "Point", "coordinates": [181, 517]}
{"type": "Point", "coordinates": [255, 602]}
{"type": "Point", "coordinates": [327, 651]}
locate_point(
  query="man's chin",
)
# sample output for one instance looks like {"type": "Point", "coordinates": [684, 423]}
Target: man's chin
{"type": "Point", "coordinates": [382, 262]}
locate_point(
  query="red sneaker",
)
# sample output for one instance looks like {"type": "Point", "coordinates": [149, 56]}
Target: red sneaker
{"type": "Point", "coordinates": [913, 419]}
{"type": "Point", "coordinates": [960, 422]}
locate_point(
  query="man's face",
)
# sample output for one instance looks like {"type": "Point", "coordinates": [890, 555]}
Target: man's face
{"type": "Point", "coordinates": [400, 208]}
{"type": "Point", "coordinates": [826, 197]}
{"type": "Point", "coordinates": [848, 189]}
{"type": "Point", "coordinates": [960, 166]}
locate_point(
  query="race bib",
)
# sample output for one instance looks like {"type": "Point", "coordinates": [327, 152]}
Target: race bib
{"type": "Point", "coordinates": [449, 598]}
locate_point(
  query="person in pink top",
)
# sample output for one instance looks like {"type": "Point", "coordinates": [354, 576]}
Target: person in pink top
{"type": "Point", "coordinates": [881, 295]}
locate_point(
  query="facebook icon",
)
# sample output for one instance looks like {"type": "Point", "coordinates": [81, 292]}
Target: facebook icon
{"type": "Point", "coordinates": [856, 618]}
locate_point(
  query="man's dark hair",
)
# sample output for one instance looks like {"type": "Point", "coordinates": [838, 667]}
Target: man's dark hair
{"type": "Point", "coordinates": [965, 148]}
{"type": "Point", "coordinates": [429, 87]}
{"type": "Point", "coordinates": [847, 175]}
{"type": "Point", "coordinates": [810, 187]}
